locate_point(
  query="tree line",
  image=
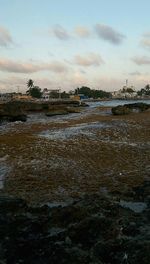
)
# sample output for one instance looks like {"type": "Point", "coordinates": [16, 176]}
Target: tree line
{"type": "Point", "coordinates": [144, 91]}
{"type": "Point", "coordinates": [35, 91]}
{"type": "Point", "coordinates": [92, 93]}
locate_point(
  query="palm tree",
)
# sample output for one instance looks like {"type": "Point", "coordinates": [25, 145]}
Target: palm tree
{"type": "Point", "coordinates": [30, 83]}
{"type": "Point", "coordinates": [147, 87]}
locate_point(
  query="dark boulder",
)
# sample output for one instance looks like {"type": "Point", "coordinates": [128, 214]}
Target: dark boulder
{"type": "Point", "coordinates": [129, 108]}
{"type": "Point", "coordinates": [93, 229]}
{"type": "Point", "coordinates": [12, 112]}
{"type": "Point", "coordinates": [121, 110]}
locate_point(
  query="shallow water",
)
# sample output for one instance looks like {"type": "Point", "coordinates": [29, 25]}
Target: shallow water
{"type": "Point", "coordinates": [42, 118]}
{"type": "Point", "coordinates": [137, 207]}
{"type": "Point", "coordinates": [67, 133]}
{"type": "Point", "coordinates": [112, 103]}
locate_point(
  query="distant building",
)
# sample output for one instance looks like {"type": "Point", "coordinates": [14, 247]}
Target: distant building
{"type": "Point", "coordinates": [14, 96]}
{"type": "Point", "coordinates": [48, 94]}
{"type": "Point", "coordinates": [127, 92]}
{"type": "Point", "coordinates": [78, 97]}
{"type": "Point", "coordinates": [21, 97]}
{"type": "Point", "coordinates": [5, 96]}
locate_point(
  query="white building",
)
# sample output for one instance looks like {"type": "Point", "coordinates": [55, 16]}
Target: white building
{"type": "Point", "coordinates": [125, 93]}
{"type": "Point", "coordinates": [5, 96]}
{"type": "Point", "coordinates": [47, 94]}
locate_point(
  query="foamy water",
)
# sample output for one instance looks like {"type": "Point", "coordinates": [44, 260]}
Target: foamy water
{"type": "Point", "coordinates": [79, 129]}
{"type": "Point", "coordinates": [137, 207]}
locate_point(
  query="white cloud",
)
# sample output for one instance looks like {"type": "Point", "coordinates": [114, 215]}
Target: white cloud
{"type": "Point", "coordinates": [89, 59]}
{"type": "Point", "coordinates": [5, 37]}
{"type": "Point", "coordinates": [60, 32]}
{"type": "Point", "coordinates": [143, 60]}
{"type": "Point", "coordinates": [57, 67]}
{"type": "Point", "coordinates": [82, 32]}
{"type": "Point", "coordinates": [7, 65]}
{"type": "Point", "coordinates": [109, 34]}
{"type": "Point", "coordinates": [135, 73]}
{"type": "Point", "coordinates": [145, 42]}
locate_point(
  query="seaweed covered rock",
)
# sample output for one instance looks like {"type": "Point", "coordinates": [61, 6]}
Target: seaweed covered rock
{"type": "Point", "coordinates": [121, 110]}
{"type": "Point", "coordinates": [57, 112]}
{"type": "Point", "coordinates": [139, 106]}
{"type": "Point", "coordinates": [17, 110]}
{"type": "Point", "coordinates": [93, 229]}
{"type": "Point", "coordinates": [129, 108]}
{"type": "Point", "coordinates": [12, 112]}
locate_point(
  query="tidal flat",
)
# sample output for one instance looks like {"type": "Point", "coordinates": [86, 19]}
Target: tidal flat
{"type": "Point", "coordinates": [63, 157]}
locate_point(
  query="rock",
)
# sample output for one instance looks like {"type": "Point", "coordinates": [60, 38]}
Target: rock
{"type": "Point", "coordinates": [82, 232]}
{"type": "Point", "coordinates": [16, 110]}
{"type": "Point", "coordinates": [83, 104]}
{"type": "Point", "coordinates": [12, 112]}
{"type": "Point", "coordinates": [68, 240]}
{"type": "Point", "coordinates": [131, 229]}
{"type": "Point", "coordinates": [139, 106]}
{"type": "Point", "coordinates": [73, 109]}
{"type": "Point", "coordinates": [57, 112]}
{"type": "Point", "coordinates": [121, 110]}
{"type": "Point", "coordinates": [10, 204]}
{"type": "Point", "coordinates": [128, 108]}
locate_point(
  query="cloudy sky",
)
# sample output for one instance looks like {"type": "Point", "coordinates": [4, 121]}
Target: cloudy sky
{"type": "Point", "coordinates": [66, 43]}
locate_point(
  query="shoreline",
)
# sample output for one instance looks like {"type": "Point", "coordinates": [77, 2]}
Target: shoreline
{"type": "Point", "coordinates": [77, 190]}
{"type": "Point", "coordinates": [61, 157]}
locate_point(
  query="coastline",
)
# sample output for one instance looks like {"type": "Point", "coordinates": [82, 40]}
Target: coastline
{"type": "Point", "coordinates": [77, 188]}
{"type": "Point", "coordinates": [53, 155]}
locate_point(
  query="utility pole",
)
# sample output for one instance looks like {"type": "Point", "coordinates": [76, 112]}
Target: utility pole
{"type": "Point", "coordinates": [18, 89]}
{"type": "Point", "coordinates": [59, 93]}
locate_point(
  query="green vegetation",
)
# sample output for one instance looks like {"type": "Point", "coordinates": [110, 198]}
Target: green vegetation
{"type": "Point", "coordinates": [65, 95]}
{"type": "Point", "coordinates": [30, 83]}
{"type": "Point", "coordinates": [127, 90]}
{"type": "Point", "coordinates": [129, 108]}
{"type": "Point", "coordinates": [92, 93]}
{"type": "Point", "coordinates": [34, 91]}
{"type": "Point", "coordinates": [144, 91]}
{"type": "Point", "coordinates": [121, 110]}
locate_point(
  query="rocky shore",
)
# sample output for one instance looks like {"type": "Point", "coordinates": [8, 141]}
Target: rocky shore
{"type": "Point", "coordinates": [18, 110]}
{"type": "Point", "coordinates": [97, 228]}
{"type": "Point", "coordinates": [129, 108]}
{"type": "Point", "coordinates": [76, 189]}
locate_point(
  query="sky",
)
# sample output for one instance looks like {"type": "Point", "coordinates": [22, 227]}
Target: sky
{"type": "Point", "coordinates": [68, 44]}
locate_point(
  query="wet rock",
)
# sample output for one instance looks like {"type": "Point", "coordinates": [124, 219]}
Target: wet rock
{"type": "Point", "coordinates": [139, 106]}
{"type": "Point", "coordinates": [10, 204]}
{"type": "Point", "coordinates": [16, 110]}
{"type": "Point", "coordinates": [107, 251]}
{"type": "Point", "coordinates": [83, 104]}
{"type": "Point", "coordinates": [95, 229]}
{"type": "Point", "coordinates": [128, 108]}
{"type": "Point", "coordinates": [89, 230]}
{"type": "Point", "coordinates": [121, 110]}
{"type": "Point", "coordinates": [57, 112]}
{"type": "Point", "coordinates": [131, 229]}
{"type": "Point", "coordinates": [12, 112]}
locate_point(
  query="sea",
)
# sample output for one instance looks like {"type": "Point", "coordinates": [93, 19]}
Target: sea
{"type": "Point", "coordinates": [112, 103]}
